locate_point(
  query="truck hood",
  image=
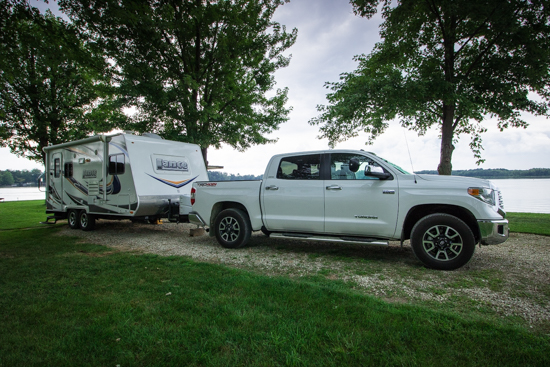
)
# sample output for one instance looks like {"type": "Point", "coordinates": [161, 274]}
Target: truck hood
{"type": "Point", "coordinates": [455, 180]}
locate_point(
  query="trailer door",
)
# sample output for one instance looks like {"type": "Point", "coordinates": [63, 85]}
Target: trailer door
{"type": "Point", "coordinates": [55, 187]}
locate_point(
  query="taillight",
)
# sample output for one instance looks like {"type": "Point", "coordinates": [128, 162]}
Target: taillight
{"type": "Point", "coordinates": [193, 191]}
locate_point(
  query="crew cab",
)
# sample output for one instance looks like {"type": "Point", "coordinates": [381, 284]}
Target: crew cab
{"type": "Point", "coordinates": [355, 197]}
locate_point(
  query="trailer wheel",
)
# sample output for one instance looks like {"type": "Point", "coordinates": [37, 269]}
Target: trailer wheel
{"type": "Point", "coordinates": [442, 242]}
{"type": "Point", "coordinates": [72, 218]}
{"type": "Point", "coordinates": [232, 228]}
{"type": "Point", "coordinates": [87, 221]}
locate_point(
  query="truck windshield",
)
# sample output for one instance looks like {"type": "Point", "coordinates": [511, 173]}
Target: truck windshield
{"type": "Point", "coordinates": [401, 170]}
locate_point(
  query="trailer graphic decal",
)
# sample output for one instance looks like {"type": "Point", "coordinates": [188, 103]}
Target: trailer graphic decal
{"type": "Point", "coordinates": [176, 184]}
{"type": "Point", "coordinates": [77, 200]}
{"type": "Point", "coordinates": [54, 195]}
{"type": "Point", "coordinates": [113, 187]}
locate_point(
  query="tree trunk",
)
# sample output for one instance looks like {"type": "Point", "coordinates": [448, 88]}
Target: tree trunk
{"type": "Point", "coordinates": [205, 156]}
{"type": "Point", "coordinates": [447, 131]}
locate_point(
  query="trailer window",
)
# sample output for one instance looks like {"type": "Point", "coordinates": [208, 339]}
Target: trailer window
{"type": "Point", "coordinates": [116, 164]}
{"type": "Point", "coordinates": [68, 171]}
{"type": "Point", "coordinates": [57, 167]}
{"type": "Point", "coordinates": [303, 167]}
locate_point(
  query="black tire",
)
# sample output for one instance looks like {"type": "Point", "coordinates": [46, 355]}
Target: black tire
{"type": "Point", "coordinates": [87, 221]}
{"type": "Point", "coordinates": [73, 219]}
{"type": "Point", "coordinates": [442, 242]}
{"type": "Point", "coordinates": [232, 228]}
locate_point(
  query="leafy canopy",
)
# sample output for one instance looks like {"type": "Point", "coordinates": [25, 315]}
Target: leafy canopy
{"type": "Point", "coordinates": [447, 64]}
{"type": "Point", "coordinates": [54, 88]}
{"type": "Point", "coordinates": [197, 71]}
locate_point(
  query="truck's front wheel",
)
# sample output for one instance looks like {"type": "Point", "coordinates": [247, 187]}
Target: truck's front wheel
{"type": "Point", "coordinates": [442, 241]}
{"type": "Point", "coordinates": [232, 228]}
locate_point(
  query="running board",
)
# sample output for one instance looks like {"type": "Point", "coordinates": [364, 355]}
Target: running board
{"type": "Point", "coordinates": [306, 237]}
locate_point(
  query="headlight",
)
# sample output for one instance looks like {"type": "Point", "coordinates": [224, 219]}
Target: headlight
{"type": "Point", "coordinates": [485, 194]}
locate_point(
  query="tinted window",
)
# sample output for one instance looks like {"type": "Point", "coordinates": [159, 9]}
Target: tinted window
{"type": "Point", "coordinates": [116, 164]}
{"type": "Point", "coordinates": [303, 167]}
{"type": "Point", "coordinates": [68, 172]}
{"type": "Point", "coordinates": [57, 167]}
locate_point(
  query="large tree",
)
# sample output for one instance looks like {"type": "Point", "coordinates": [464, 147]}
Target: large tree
{"type": "Point", "coordinates": [447, 64]}
{"type": "Point", "coordinates": [198, 71]}
{"type": "Point", "coordinates": [53, 87]}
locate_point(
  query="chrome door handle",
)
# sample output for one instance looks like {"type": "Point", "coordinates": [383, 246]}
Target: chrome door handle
{"type": "Point", "coordinates": [272, 187]}
{"type": "Point", "coordinates": [334, 187]}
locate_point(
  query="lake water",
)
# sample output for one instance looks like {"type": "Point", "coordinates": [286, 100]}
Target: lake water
{"type": "Point", "coordinates": [520, 195]}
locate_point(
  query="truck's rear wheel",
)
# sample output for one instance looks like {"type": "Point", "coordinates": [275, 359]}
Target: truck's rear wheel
{"type": "Point", "coordinates": [72, 218]}
{"type": "Point", "coordinates": [442, 241]}
{"type": "Point", "coordinates": [232, 228]}
{"type": "Point", "coordinates": [87, 221]}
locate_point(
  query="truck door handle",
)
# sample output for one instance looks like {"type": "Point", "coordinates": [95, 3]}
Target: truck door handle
{"type": "Point", "coordinates": [272, 187]}
{"type": "Point", "coordinates": [334, 187]}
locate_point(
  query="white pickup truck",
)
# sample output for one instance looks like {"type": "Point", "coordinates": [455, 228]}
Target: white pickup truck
{"type": "Point", "coordinates": [355, 197]}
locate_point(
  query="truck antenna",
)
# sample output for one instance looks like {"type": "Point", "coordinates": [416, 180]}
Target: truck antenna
{"type": "Point", "coordinates": [409, 151]}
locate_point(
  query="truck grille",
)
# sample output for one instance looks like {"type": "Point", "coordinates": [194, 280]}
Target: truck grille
{"type": "Point", "coordinates": [500, 200]}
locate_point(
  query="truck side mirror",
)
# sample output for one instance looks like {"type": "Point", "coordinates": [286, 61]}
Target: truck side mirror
{"type": "Point", "coordinates": [378, 172]}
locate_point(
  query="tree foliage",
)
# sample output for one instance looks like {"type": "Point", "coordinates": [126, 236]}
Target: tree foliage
{"type": "Point", "coordinates": [447, 64]}
{"type": "Point", "coordinates": [197, 71]}
{"type": "Point", "coordinates": [54, 88]}
{"type": "Point", "coordinates": [224, 176]}
{"type": "Point", "coordinates": [20, 177]}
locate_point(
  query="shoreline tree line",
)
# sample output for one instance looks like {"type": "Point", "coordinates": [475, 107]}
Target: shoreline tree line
{"type": "Point", "coordinates": [19, 178]}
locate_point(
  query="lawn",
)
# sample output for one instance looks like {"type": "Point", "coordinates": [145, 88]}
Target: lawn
{"type": "Point", "coordinates": [67, 303]}
{"type": "Point", "coordinates": [529, 223]}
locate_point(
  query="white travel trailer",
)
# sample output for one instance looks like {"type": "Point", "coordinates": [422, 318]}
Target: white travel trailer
{"type": "Point", "coordinates": [121, 176]}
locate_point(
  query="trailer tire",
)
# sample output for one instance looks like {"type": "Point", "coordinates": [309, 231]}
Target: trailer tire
{"type": "Point", "coordinates": [73, 219]}
{"type": "Point", "coordinates": [87, 221]}
{"type": "Point", "coordinates": [442, 241]}
{"type": "Point", "coordinates": [232, 228]}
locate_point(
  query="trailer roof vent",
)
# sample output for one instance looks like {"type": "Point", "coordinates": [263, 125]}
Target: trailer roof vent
{"type": "Point", "coordinates": [152, 135]}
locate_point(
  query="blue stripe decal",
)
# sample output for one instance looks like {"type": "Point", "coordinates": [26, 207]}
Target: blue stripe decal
{"type": "Point", "coordinates": [176, 184]}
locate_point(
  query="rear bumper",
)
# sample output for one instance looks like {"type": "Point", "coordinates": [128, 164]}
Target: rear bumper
{"type": "Point", "coordinates": [493, 232]}
{"type": "Point", "coordinates": [195, 218]}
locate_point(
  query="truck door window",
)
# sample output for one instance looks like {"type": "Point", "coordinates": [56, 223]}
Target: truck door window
{"type": "Point", "coordinates": [116, 164]}
{"type": "Point", "coordinates": [303, 167]}
{"type": "Point", "coordinates": [346, 166]}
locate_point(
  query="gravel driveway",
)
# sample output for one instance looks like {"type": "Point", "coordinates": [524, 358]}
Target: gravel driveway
{"type": "Point", "coordinates": [510, 280]}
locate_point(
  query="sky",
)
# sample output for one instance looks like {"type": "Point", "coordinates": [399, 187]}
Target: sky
{"type": "Point", "coordinates": [329, 35]}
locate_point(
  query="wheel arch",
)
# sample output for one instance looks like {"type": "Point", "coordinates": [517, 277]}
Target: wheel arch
{"type": "Point", "coordinates": [220, 206]}
{"type": "Point", "coordinates": [418, 212]}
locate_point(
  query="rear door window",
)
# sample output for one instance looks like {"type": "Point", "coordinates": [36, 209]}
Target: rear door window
{"type": "Point", "coordinates": [303, 167]}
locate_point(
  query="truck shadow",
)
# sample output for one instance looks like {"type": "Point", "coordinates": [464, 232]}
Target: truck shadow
{"type": "Point", "coordinates": [391, 254]}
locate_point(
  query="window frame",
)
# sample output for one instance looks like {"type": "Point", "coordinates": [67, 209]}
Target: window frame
{"type": "Point", "coordinates": [289, 159]}
{"type": "Point", "coordinates": [116, 164]}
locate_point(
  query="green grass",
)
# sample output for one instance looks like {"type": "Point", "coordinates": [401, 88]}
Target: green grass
{"type": "Point", "coordinates": [529, 223]}
{"type": "Point", "coordinates": [22, 214]}
{"type": "Point", "coordinates": [66, 303]}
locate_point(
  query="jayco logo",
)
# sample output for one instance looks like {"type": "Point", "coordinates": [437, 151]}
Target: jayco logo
{"type": "Point", "coordinates": [166, 165]}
